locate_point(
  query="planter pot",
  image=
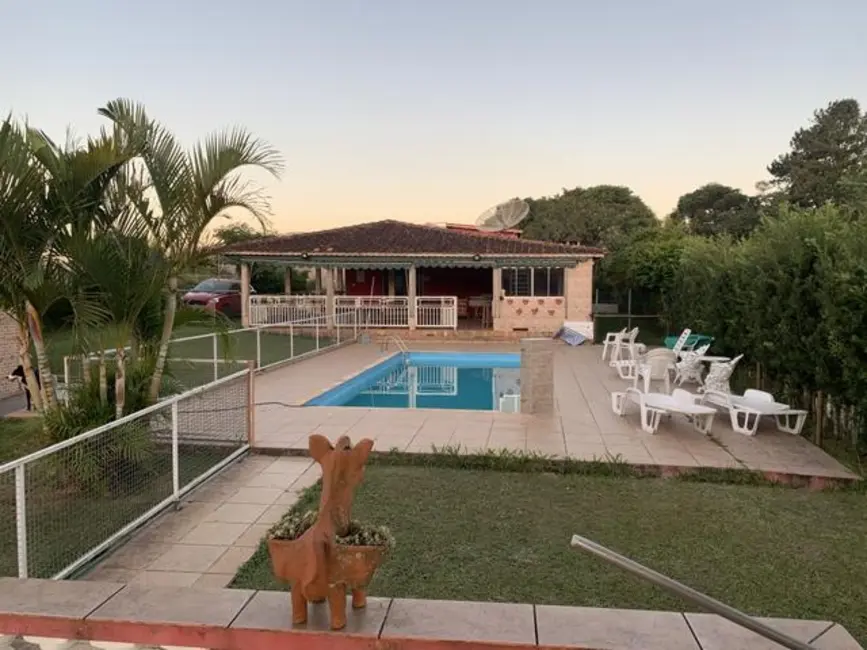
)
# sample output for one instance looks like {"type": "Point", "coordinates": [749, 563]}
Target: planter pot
{"type": "Point", "coordinates": [351, 569]}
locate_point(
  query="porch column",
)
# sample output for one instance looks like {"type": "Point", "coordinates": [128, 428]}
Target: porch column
{"type": "Point", "coordinates": [287, 281]}
{"type": "Point", "coordinates": [410, 293]}
{"type": "Point", "coordinates": [317, 281]}
{"type": "Point", "coordinates": [245, 295]}
{"type": "Point", "coordinates": [328, 277]}
{"type": "Point", "coordinates": [390, 274]}
{"type": "Point", "coordinates": [497, 289]}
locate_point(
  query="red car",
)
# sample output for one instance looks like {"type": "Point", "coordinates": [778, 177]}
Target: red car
{"type": "Point", "coordinates": [223, 296]}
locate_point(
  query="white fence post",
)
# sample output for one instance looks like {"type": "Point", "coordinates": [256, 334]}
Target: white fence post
{"type": "Point", "coordinates": [216, 355]}
{"type": "Point", "coordinates": [317, 334]}
{"type": "Point", "coordinates": [337, 327]}
{"type": "Point", "coordinates": [355, 323]}
{"type": "Point", "coordinates": [176, 469]}
{"type": "Point", "coordinates": [21, 519]}
{"type": "Point", "coordinates": [291, 341]}
{"type": "Point", "coordinates": [258, 347]}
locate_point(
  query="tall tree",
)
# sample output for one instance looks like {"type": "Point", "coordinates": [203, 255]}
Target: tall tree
{"type": "Point", "coordinates": [823, 155]}
{"type": "Point", "coordinates": [715, 209]}
{"type": "Point", "coordinates": [595, 216]}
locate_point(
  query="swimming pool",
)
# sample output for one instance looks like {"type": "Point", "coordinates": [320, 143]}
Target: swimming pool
{"type": "Point", "coordinates": [433, 380]}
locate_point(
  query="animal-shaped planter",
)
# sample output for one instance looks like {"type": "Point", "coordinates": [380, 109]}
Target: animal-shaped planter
{"type": "Point", "coordinates": [315, 566]}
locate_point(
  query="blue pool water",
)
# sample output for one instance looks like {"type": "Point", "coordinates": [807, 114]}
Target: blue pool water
{"type": "Point", "coordinates": [433, 380]}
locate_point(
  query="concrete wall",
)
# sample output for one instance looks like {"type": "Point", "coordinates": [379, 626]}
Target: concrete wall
{"type": "Point", "coordinates": [8, 354]}
{"type": "Point", "coordinates": [579, 297]}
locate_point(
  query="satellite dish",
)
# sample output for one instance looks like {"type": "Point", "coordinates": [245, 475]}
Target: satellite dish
{"type": "Point", "coordinates": [504, 216]}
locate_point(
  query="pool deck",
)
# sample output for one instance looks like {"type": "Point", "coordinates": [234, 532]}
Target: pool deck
{"type": "Point", "coordinates": [584, 426]}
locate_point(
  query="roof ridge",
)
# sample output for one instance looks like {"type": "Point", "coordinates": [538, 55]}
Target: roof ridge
{"type": "Point", "coordinates": [402, 237]}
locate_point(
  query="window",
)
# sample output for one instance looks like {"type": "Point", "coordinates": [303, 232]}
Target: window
{"type": "Point", "coordinates": [539, 282]}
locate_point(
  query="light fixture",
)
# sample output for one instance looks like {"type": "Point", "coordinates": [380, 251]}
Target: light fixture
{"type": "Point", "coordinates": [305, 255]}
{"type": "Point", "coordinates": [477, 257]}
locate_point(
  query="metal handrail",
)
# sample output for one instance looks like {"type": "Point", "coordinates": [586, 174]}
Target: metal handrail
{"type": "Point", "coordinates": [689, 594]}
{"type": "Point", "coordinates": [401, 346]}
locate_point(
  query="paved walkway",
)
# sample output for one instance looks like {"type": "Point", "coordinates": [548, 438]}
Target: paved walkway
{"type": "Point", "coordinates": [584, 426]}
{"type": "Point", "coordinates": [215, 531]}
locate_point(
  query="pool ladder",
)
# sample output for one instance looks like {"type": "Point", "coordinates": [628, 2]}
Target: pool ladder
{"type": "Point", "coordinates": [399, 342]}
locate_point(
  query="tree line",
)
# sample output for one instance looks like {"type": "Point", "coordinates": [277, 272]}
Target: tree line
{"type": "Point", "coordinates": [780, 276]}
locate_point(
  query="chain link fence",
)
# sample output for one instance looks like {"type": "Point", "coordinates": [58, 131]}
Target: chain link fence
{"type": "Point", "coordinates": [194, 361]}
{"type": "Point", "coordinates": [615, 310]}
{"type": "Point", "coordinates": [63, 505]}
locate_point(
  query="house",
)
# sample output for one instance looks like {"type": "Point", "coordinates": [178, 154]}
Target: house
{"type": "Point", "coordinates": [396, 275]}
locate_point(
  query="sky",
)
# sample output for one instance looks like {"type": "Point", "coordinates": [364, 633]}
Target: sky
{"type": "Point", "coordinates": [434, 110]}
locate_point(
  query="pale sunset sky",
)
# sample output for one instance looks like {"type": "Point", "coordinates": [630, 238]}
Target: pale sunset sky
{"type": "Point", "coordinates": [434, 110]}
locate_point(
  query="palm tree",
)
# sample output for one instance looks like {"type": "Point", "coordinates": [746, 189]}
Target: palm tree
{"type": "Point", "coordinates": [20, 187]}
{"type": "Point", "coordinates": [52, 196]}
{"type": "Point", "coordinates": [180, 193]}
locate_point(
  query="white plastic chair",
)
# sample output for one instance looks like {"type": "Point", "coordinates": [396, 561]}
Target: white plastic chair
{"type": "Point", "coordinates": [626, 363]}
{"type": "Point", "coordinates": [611, 340]}
{"type": "Point", "coordinates": [626, 342]}
{"type": "Point", "coordinates": [655, 365]}
{"type": "Point", "coordinates": [655, 405]}
{"type": "Point", "coordinates": [718, 376]}
{"type": "Point", "coordinates": [681, 341]}
{"type": "Point", "coordinates": [745, 411]}
{"type": "Point", "coordinates": [690, 367]}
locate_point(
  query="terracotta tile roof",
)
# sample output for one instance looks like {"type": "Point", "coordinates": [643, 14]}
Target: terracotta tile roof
{"type": "Point", "coordinates": [401, 239]}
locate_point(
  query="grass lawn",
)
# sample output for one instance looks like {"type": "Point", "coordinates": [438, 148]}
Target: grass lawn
{"type": "Point", "coordinates": [19, 437]}
{"type": "Point", "coordinates": [496, 536]}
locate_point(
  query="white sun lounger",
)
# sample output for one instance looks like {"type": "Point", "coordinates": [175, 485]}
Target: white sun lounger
{"type": "Point", "coordinates": [746, 410]}
{"type": "Point", "coordinates": [654, 405]}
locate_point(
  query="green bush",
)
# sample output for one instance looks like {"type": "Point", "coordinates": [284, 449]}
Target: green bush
{"type": "Point", "coordinates": [110, 462]}
{"type": "Point", "coordinates": [793, 300]}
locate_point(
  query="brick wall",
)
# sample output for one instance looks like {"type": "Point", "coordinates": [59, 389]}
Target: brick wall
{"type": "Point", "coordinates": [8, 354]}
{"type": "Point", "coordinates": [579, 297]}
{"type": "Point", "coordinates": [537, 315]}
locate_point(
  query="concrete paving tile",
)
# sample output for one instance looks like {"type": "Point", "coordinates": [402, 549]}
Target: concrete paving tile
{"type": "Point", "coordinates": [272, 514]}
{"type": "Point", "coordinates": [213, 581]}
{"type": "Point", "coordinates": [238, 513]}
{"type": "Point", "coordinates": [716, 633]}
{"type": "Point", "coordinates": [266, 496]}
{"type": "Point", "coordinates": [106, 574]}
{"type": "Point", "coordinates": [268, 610]}
{"type": "Point", "coordinates": [135, 555]}
{"type": "Point", "coordinates": [68, 598]}
{"type": "Point", "coordinates": [211, 533]}
{"type": "Point", "coordinates": [207, 607]}
{"type": "Point", "coordinates": [187, 557]}
{"type": "Point", "coordinates": [231, 560]}
{"type": "Point", "coordinates": [165, 579]}
{"type": "Point", "coordinates": [460, 621]}
{"type": "Point", "coordinates": [836, 638]}
{"type": "Point", "coordinates": [253, 535]}
{"type": "Point", "coordinates": [612, 629]}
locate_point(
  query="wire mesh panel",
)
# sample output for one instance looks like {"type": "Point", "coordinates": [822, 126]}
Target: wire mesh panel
{"type": "Point", "coordinates": [8, 529]}
{"type": "Point", "coordinates": [82, 494]}
{"type": "Point", "coordinates": [212, 425]}
{"type": "Point", "coordinates": [187, 374]}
